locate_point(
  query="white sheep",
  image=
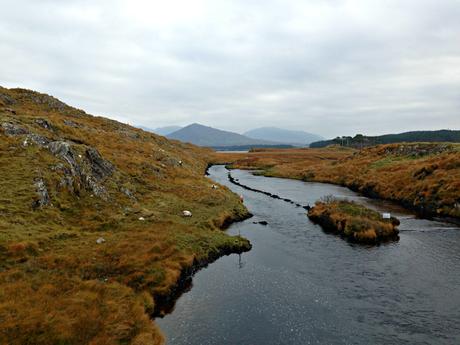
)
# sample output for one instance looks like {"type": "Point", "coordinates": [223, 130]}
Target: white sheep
{"type": "Point", "coordinates": [186, 213]}
{"type": "Point", "coordinates": [100, 240]}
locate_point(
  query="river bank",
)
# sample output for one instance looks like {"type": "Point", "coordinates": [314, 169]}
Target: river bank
{"type": "Point", "coordinates": [423, 177]}
{"type": "Point", "coordinates": [299, 284]}
{"type": "Point", "coordinates": [165, 301]}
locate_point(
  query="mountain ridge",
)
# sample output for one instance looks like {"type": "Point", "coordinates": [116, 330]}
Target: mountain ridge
{"type": "Point", "coordinates": [282, 135]}
{"type": "Point", "coordinates": [207, 136]}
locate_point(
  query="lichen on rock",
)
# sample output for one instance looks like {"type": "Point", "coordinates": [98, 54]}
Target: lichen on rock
{"type": "Point", "coordinates": [11, 129]}
{"type": "Point", "coordinates": [89, 171]}
{"type": "Point", "coordinates": [36, 139]}
{"type": "Point", "coordinates": [44, 124]}
{"type": "Point", "coordinates": [6, 99]}
{"type": "Point", "coordinates": [100, 167]}
{"type": "Point", "coordinates": [42, 193]}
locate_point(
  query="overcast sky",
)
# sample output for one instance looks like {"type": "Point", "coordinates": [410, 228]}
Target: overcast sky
{"type": "Point", "coordinates": [332, 67]}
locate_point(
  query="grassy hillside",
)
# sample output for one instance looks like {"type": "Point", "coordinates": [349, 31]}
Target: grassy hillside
{"type": "Point", "coordinates": [91, 225]}
{"type": "Point", "coordinates": [422, 176]}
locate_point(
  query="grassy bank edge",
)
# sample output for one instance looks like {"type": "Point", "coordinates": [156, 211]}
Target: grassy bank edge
{"type": "Point", "coordinates": [354, 222]}
{"type": "Point", "coordinates": [279, 159]}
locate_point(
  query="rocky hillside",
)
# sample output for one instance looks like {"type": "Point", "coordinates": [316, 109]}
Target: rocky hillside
{"type": "Point", "coordinates": [92, 230]}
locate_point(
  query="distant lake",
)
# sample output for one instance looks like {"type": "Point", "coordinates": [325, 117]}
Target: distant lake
{"type": "Point", "coordinates": [299, 285]}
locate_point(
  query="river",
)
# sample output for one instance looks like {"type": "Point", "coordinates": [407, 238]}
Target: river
{"type": "Point", "coordinates": [299, 285]}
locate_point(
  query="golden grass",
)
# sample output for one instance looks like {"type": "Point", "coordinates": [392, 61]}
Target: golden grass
{"type": "Point", "coordinates": [421, 176]}
{"type": "Point", "coordinates": [354, 222]}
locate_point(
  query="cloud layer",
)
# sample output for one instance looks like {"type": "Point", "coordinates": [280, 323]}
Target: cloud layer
{"type": "Point", "coordinates": [327, 66]}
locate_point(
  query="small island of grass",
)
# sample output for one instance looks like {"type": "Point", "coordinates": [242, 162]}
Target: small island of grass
{"type": "Point", "coordinates": [354, 222]}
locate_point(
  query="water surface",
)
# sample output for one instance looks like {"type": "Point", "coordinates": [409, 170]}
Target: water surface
{"type": "Point", "coordinates": [299, 285]}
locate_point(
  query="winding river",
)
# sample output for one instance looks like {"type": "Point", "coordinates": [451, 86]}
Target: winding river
{"type": "Point", "coordinates": [299, 285]}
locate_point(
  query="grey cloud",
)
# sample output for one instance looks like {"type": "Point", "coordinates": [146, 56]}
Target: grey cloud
{"type": "Point", "coordinates": [331, 67]}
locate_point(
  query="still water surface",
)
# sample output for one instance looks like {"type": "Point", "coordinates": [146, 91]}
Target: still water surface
{"type": "Point", "coordinates": [299, 285]}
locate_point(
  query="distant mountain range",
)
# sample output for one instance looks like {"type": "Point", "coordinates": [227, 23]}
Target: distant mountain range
{"type": "Point", "coordinates": [211, 137]}
{"type": "Point", "coordinates": [278, 137]}
{"type": "Point", "coordinates": [162, 130]}
{"type": "Point", "coordinates": [285, 136]}
{"type": "Point", "coordinates": [359, 140]}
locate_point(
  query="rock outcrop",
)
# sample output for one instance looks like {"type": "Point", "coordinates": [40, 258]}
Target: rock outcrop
{"type": "Point", "coordinates": [11, 129]}
{"type": "Point", "coordinates": [100, 167]}
{"type": "Point", "coordinates": [88, 171]}
{"type": "Point", "coordinates": [44, 123]}
{"type": "Point", "coordinates": [42, 193]}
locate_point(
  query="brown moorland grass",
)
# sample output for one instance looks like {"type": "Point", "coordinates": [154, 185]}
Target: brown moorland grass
{"type": "Point", "coordinates": [353, 221]}
{"type": "Point", "coordinates": [67, 180]}
{"type": "Point", "coordinates": [424, 177]}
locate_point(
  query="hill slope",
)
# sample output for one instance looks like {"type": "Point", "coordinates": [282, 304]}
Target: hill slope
{"type": "Point", "coordinates": [91, 227]}
{"type": "Point", "coordinates": [286, 136]}
{"type": "Point", "coordinates": [211, 137]}
{"type": "Point", "coordinates": [360, 141]}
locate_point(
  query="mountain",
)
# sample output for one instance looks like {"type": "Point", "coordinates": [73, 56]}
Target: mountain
{"type": "Point", "coordinates": [92, 231]}
{"type": "Point", "coordinates": [286, 136]}
{"type": "Point", "coordinates": [165, 130]}
{"type": "Point", "coordinates": [443, 135]}
{"type": "Point", "coordinates": [211, 137]}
